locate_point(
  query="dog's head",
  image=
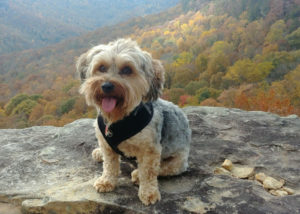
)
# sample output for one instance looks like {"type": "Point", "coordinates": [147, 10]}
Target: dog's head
{"type": "Point", "coordinates": [118, 76]}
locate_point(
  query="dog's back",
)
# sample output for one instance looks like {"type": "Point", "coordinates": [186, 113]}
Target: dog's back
{"type": "Point", "coordinates": [175, 132]}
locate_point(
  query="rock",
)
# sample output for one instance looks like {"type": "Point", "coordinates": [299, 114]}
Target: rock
{"type": "Point", "coordinates": [242, 172]}
{"type": "Point", "coordinates": [6, 208]}
{"type": "Point", "coordinates": [222, 171]}
{"type": "Point", "coordinates": [195, 205]}
{"type": "Point", "coordinates": [272, 183]}
{"type": "Point", "coordinates": [288, 190]}
{"type": "Point", "coordinates": [227, 164]}
{"type": "Point", "coordinates": [278, 192]}
{"type": "Point", "coordinates": [51, 170]}
{"type": "Point", "coordinates": [260, 177]}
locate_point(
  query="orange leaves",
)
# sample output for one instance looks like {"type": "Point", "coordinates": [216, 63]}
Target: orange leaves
{"type": "Point", "coordinates": [242, 102]}
{"type": "Point", "coordinates": [210, 102]}
{"type": "Point", "coordinates": [265, 101]}
{"type": "Point", "coordinates": [183, 100]}
{"type": "Point", "coordinates": [173, 94]}
{"type": "Point", "coordinates": [36, 113]}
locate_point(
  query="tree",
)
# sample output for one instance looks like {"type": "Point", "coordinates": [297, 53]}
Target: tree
{"type": "Point", "coordinates": [216, 80]}
{"type": "Point", "coordinates": [294, 39]}
{"type": "Point", "coordinates": [66, 106]}
{"type": "Point", "coordinates": [219, 58]}
{"type": "Point", "coordinates": [228, 97]}
{"type": "Point", "coordinates": [24, 108]}
{"type": "Point", "coordinates": [193, 86]}
{"type": "Point", "coordinates": [242, 101]}
{"type": "Point", "coordinates": [16, 100]}
{"type": "Point", "coordinates": [183, 76]}
{"type": "Point", "coordinates": [290, 86]}
{"type": "Point", "coordinates": [205, 93]}
{"type": "Point", "coordinates": [252, 39]}
{"type": "Point", "coordinates": [246, 71]}
{"type": "Point", "coordinates": [50, 108]}
{"type": "Point", "coordinates": [201, 62]}
{"type": "Point", "coordinates": [36, 113]}
{"type": "Point", "coordinates": [183, 100]}
{"type": "Point", "coordinates": [174, 94]}
{"type": "Point", "coordinates": [210, 102]}
{"type": "Point", "coordinates": [80, 106]}
{"type": "Point", "coordinates": [183, 58]}
{"type": "Point", "coordinates": [276, 33]}
{"type": "Point", "coordinates": [2, 112]}
{"type": "Point", "coordinates": [259, 72]}
{"type": "Point", "coordinates": [283, 63]}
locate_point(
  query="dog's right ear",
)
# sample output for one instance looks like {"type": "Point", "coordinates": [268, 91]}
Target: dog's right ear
{"type": "Point", "coordinates": [82, 65]}
{"type": "Point", "coordinates": [84, 61]}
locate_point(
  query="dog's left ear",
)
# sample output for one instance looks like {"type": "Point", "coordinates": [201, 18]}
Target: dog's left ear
{"type": "Point", "coordinates": [157, 83]}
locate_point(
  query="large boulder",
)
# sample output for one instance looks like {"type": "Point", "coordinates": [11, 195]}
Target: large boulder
{"type": "Point", "coordinates": [50, 169]}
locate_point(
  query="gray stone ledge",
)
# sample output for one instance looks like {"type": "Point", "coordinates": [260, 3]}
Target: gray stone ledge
{"type": "Point", "coordinates": [50, 169]}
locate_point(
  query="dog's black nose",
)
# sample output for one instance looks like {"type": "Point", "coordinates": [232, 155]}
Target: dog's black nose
{"type": "Point", "coordinates": [107, 87]}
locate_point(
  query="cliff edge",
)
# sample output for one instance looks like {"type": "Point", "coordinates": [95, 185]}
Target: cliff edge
{"type": "Point", "coordinates": [50, 169]}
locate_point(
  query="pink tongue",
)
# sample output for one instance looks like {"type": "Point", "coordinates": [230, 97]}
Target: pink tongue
{"type": "Point", "coordinates": [108, 104]}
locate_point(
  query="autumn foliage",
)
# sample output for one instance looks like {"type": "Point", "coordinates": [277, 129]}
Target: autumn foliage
{"type": "Point", "coordinates": [232, 53]}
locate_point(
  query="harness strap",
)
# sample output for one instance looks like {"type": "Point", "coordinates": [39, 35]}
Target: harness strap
{"type": "Point", "coordinates": [126, 128]}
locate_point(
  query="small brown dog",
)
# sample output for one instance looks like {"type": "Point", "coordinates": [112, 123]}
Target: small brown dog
{"type": "Point", "coordinates": [124, 83]}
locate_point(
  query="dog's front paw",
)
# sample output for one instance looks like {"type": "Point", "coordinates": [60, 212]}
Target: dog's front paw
{"type": "Point", "coordinates": [135, 177]}
{"type": "Point", "coordinates": [97, 155]}
{"type": "Point", "coordinates": [149, 195]}
{"type": "Point", "coordinates": [104, 185]}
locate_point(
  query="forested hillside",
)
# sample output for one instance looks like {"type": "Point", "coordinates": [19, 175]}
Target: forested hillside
{"type": "Point", "coordinates": [232, 53]}
{"type": "Point", "coordinates": [37, 23]}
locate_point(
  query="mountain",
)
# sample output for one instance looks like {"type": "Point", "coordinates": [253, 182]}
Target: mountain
{"type": "Point", "coordinates": [37, 23]}
{"type": "Point", "coordinates": [234, 53]}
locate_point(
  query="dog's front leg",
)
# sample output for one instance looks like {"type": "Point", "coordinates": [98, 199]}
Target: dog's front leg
{"type": "Point", "coordinates": [111, 169]}
{"type": "Point", "coordinates": [148, 169]}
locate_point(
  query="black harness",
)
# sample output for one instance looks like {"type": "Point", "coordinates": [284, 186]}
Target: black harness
{"type": "Point", "coordinates": [123, 129]}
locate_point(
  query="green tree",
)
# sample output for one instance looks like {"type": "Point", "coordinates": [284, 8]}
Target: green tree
{"type": "Point", "coordinates": [205, 93]}
{"type": "Point", "coordinates": [66, 106]}
{"type": "Point", "coordinates": [193, 86]}
{"type": "Point", "coordinates": [183, 58]}
{"type": "Point", "coordinates": [16, 100]}
{"type": "Point", "coordinates": [24, 108]}
{"type": "Point", "coordinates": [276, 33]}
{"type": "Point", "coordinates": [220, 57]}
{"type": "Point", "coordinates": [291, 86]}
{"type": "Point", "coordinates": [294, 39]}
{"type": "Point", "coordinates": [282, 61]}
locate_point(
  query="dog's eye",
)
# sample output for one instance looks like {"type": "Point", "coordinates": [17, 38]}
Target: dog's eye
{"type": "Point", "coordinates": [102, 68]}
{"type": "Point", "coordinates": [126, 70]}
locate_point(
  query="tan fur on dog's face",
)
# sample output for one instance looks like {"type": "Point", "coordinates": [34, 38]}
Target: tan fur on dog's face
{"type": "Point", "coordinates": [134, 74]}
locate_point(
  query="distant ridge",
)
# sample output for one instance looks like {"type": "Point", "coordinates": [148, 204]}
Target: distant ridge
{"type": "Point", "coordinates": [38, 23]}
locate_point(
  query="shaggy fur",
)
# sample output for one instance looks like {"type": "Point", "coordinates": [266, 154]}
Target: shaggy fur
{"type": "Point", "coordinates": [162, 147]}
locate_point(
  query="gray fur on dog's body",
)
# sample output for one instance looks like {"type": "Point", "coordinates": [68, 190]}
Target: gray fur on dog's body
{"type": "Point", "coordinates": [172, 126]}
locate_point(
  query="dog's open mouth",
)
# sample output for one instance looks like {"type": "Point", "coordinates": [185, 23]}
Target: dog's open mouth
{"type": "Point", "coordinates": [109, 104]}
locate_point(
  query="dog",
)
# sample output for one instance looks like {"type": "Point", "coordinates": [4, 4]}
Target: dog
{"type": "Point", "coordinates": [124, 83]}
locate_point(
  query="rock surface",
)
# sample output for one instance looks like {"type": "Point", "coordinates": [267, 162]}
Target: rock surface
{"type": "Point", "coordinates": [50, 169]}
